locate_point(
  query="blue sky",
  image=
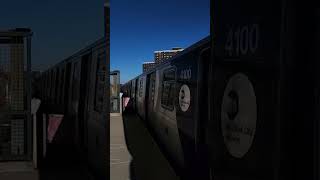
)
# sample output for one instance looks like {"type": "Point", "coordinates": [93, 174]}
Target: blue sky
{"type": "Point", "coordinates": [61, 27]}
{"type": "Point", "coordinates": [139, 27]}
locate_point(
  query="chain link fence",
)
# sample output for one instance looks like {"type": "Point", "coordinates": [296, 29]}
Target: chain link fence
{"type": "Point", "coordinates": [15, 95]}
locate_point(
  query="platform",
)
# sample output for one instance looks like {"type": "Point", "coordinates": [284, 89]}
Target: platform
{"type": "Point", "coordinates": [119, 155]}
{"type": "Point", "coordinates": [18, 171]}
{"type": "Point", "coordinates": [149, 162]}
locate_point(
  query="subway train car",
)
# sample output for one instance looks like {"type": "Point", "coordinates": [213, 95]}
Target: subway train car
{"type": "Point", "coordinates": [168, 98]}
{"type": "Point", "coordinates": [251, 105]}
{"type": "Point", "coordinates": [76, 88]}
{"type": "Point", "coordinates": [264, 91]}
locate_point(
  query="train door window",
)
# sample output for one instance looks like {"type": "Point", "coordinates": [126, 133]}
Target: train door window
{"type": "Point", "coordinates": [152, 86]}
{"type": "Point", "coordinates": [57, 86]}
{"type": "Point", "coordinates": [101, 77]}
{"type": "Point", "coordinates": [75, 81]}
{"type": "Point", "coordinates": [136, 88]}
{"type": "Point", "coordinates": [43, 84]}
{"type": "Point", "coordinates": [168, 83]}
{"type": "Point", "coordinates": [53, 85]}
{"type": "Point", "coordinates": [50, 84]}
{"type": "Point", "coordinates": [133, 90]}
{"type": "Point", "coordinates": [140, 86]}
{"type": "Point", "coordinates": [47, 85]}
{"type": "Point", "coordinates": [67, 85]}
{"type": "Point", "coordinates": [62, 86]}
{"type": "Point", "coordinates": [61, 80]}
{"type": "Point", "coordinates": [57, 80]}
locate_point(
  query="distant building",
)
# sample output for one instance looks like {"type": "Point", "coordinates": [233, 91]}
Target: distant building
{"type": "Point", "coordinates": [161, 56]}
{"type": "Point", "coordinates": [146, 66]}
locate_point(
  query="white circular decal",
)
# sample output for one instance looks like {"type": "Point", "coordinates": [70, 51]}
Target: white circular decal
{"type": "Point", "coordinates": [238, 115]}
{"type": "Point", "coordinates": [184, 98]}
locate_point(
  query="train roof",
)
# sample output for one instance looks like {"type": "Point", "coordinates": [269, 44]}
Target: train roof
{"type": "Point", "coordinates": [80, 52]}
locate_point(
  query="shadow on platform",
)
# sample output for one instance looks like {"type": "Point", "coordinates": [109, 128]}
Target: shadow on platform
{"type": "Point", "coordinates": [64, 163]}
{"type": "Point", "coordinates": [148, 161]}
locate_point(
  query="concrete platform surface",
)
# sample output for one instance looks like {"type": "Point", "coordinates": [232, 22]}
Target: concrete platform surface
{"type": "Point", "coordinates": [148, 160]}
{"type": "Point", "coordinates": [18, 171]}
{"type": "Point", "coordinates": [119, 155]}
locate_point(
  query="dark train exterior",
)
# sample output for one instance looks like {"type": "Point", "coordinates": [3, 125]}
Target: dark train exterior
{"type": "Point", "coordinates": [168, 98]}
{"type": "Point", "coordinates": [264, 93]}
{"type": "Point", "coordinates": [244, 104]}
{"type": "Point", "coordinates": [77, 88]}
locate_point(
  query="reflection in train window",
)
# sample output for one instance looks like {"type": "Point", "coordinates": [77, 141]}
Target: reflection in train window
{"type": "Point", "coordinates": [167, 96]}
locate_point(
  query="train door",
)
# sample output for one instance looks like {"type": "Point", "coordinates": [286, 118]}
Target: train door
{"type": "Point", "coordinates": [75, 98]}
{"type": "Point", "coordinates": [97, 111]}
{"type": "Point", "coordinates": [83, 101]}
{"type": "Point", "coordinates": [151, 82]}
{"type": "Point", "coordinates": [133, 92]}
{"type": "Point", "coordinates": [128, 89]}
{"type": "Point", "coordinates": [201, 119]}
{"type": "Point", "coordinates": [141, 96]}
{"type": "Point", "coordinates": [315, 46]}
{"type": "Point", "coordinates": [165, 123]}
{"type": "Point", "coordinates": [189, 107]}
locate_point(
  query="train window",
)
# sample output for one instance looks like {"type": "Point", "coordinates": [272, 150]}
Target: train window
{"type": "Point", "coordinates": [56, 85]}
{"type": "Point", "coordinates": [169, 75]}
{"type": "Point", "coordinates": [168, 83]}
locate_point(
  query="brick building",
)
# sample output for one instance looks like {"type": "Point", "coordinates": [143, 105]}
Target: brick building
{"type": "Point", "coordinates": [146, 66]}
{"type": "Point", "coordinates": [161, 56]}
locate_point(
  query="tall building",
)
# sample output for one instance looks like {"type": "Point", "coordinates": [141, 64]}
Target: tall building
{"type": "Point", "coordinates": [161, 56]}
{"type": "Point", "coordinates": [146, 66]}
